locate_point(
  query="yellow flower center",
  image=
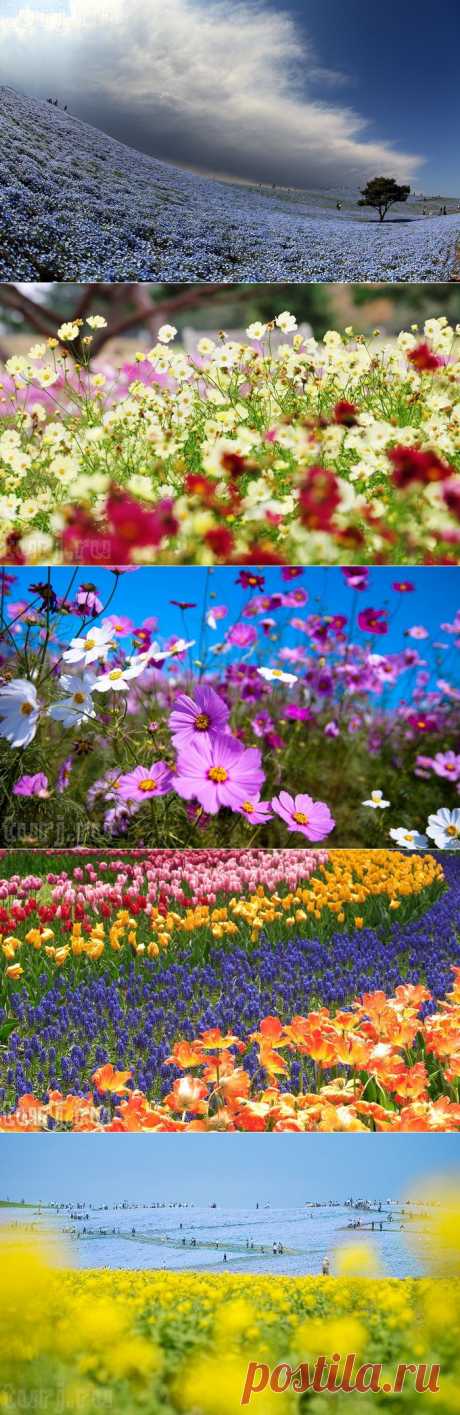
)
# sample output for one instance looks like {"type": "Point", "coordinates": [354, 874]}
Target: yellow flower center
{"type": "Point", "coordinates": [300, 817]}
{"type": "Point", "coordinates": [202, 722]}
{"type": "Point", "coordinates": [79, 697]}
{"type": "Point", "coordinates": [89, 643]}
{"type": "Point", "coordinates": [217, 773]}
{"type": "Point", "coordinates": [116, 673]}
{"type": "Point", "coordinates": [409, 836]}
{"type": "Point", "coordinates": [450, 766]}
{"type": "Point", "coordinates": [453, 830]}
{"type": "Point", "coordinates": [26, 709]}
{"type": "Point", "coordinates": [148, 784]}
{"type": "Point", "coordinates": [248, 807]}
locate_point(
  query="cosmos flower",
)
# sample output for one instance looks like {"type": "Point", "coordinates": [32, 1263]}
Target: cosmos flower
{"type": "Point", "coordinates": [77, 705]}
{"type": "Point", "coordinates": [444, 828]}
{"type": "Point", "coordinates": [144, 782]}
{"type": "Point", "coordinates": [373, 621]}
{"type": "Point", "coordinates": [376, 801]}
{"type": "Point", "coordinates": [202, 716]}
{"type": "Point", "coordinates": [19, 712]}
{"type": "Point", "coordinates": [218, 772]}
{"type": "Point", "coordinates": [447, 764]}
{"type": "Point", "coordinates": [302, 814]}
{"type": "Point", "coordinates": [96, 644]}
{"type": "Point", "coordinates": [273, 675]}
{"type": "Point", "coordinates": [409, 839]}
{"type": "Point", "coordinates": [411, 465]}
{"type": "Point", "coordinates": [36, 785]}
{"type": "Point", "coordinates": [118, 680]}
{"type": "Point", "coordinates": [256, 812]}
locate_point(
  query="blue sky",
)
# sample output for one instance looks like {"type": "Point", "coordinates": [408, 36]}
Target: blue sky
{"type": "Point", "coordinates": [150, 591]}
{"type": "Point", "coordinates": [234, 1170]}
{"type": "Point", "coordinates": [389, 55]}
{"type": "Point", "coordinates": [316, 93]}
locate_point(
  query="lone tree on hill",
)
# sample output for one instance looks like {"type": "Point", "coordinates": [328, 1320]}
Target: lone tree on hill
{"type": "Point", "coordinates": [383, 192]}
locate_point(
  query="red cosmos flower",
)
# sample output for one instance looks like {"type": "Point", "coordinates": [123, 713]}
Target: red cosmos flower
{"type": "Point", "coordinates": [422, 722]}
{"type": "Point", "coordinates": [345, 413]}
{"type": "Point", "coordinates": [249, 580]}
{"type": "Point", "coordinates": [220, 540]}
{"type": "Point", "coordinates": [319, 498]}
{"type": "Point", "coordinates": [134, 524]}
{"type": "Point", "coordinates": [403, 586]}
{"type": "Point", "coordinates": [12, 550]}
{"type": "Point", "coordinates": [291, 572]}
{"type": "Point", "coordinates": [451, 496]}
{"type": "Point", "coordinates": [234, 463]}
{"type": "Point", "coordinates": [201, 486]}
{"type": "Point", "coordinates": [127, 526]}
{"type": "Point", "coordinates": [356, 576]}
{"type": "Point", "coordinates": [411, 465]}
{"type": "Point", "coordinates": [373, 621]}
{"type": "Point", "coordinates": [423, 359]}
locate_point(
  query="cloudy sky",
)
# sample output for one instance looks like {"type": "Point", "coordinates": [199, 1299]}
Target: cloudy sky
{"type": "Point", "coordinates": [309, 92]}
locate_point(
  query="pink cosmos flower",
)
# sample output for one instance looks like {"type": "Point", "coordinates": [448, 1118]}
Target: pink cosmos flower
{"type": "Point", "coordinates": [331, 729]}
{"type": "Point", "coordinates": [256, 812]}
{"type": "Point", "coordinates": [373, 621]}
{"type": "Point", "coordinates": [216, 612]}
{"type": "Point", "coordinates": [418, 631]}
{"type": "Point", "coordinates": [144, 782]}
{"type": "Point", "coordinates": [218, 771]}
{"type": "Point", "coordinates": [31, 785]}
{"type": "Point", "coordinates": [447, 764]}
{"type": "Point", "coordinates": [242, 634]}
{"type": "Point", "coordinates": [301, 813]}
{"type": "Point", "coordinates": [356, 576]}
{"type": "Point", "coordinates": [198, 718]}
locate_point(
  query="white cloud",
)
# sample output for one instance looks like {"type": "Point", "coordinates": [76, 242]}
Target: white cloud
{"type": "Point", "coordinates": [227, 87]}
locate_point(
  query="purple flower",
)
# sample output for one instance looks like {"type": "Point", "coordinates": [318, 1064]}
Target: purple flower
{"type": "Point", "coordinates": [242, 634]}
{"type": "Point", "coordinates": [64, 773]}
{"type": "Point", "coordinates": [256, 812]}
{"type": "Point", "coordinates": [299, 714]}
{"type": "Point", "coordinates": [199, 718]}
{"type": "Point", "coordinates": [218, 771]}
{"type": "Point", "coordinates": [447, 764]}
{"type": "Point", "coordinates": [144, 782]}
{"type": "Point", "coordinates": [301, 813]}
{"type": "Point", "coordinates": [31, 785]}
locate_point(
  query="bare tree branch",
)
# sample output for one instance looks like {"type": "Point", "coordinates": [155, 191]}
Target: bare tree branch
{"type": "Point", "coordinates": [120, 320]}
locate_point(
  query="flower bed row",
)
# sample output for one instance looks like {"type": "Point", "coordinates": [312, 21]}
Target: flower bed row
{"type": "Point", "coordinates": [390, 1068]}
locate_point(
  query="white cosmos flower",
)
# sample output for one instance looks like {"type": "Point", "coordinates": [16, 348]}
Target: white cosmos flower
{"type": "Point", "coordinates": [96, 644]}
{"type": "Point", "coordinates": [278, 675]}
{"type": "Point", "coordinates": [117, 680]}
{"type": "Point", "coordinates": [77, 705]}
{"type": "Point", "coordinates": [19, 712]}
{"type": "Point", "coordinates": [376, 801]}
{"type": "Point", "coordinates": [409, 839]}
{"type": "Point", "coordinates": [167, 333]}
{"type": "Point", "coordinates": [179, 646]}
{"type": "Point", "coordinates": [256, 330]}
{"type": "Point", "coordinates": [444, 829]}
{"type": "Point", "coordinates": [286, 322]}
{"type": "Point", "coordinates": [68, 332]}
